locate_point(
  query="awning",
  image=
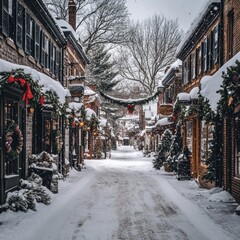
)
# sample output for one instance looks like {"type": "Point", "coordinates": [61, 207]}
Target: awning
{"type": "Point", "coordinates": [47, 82]}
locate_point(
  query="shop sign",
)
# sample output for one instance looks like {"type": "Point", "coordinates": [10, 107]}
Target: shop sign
{"type": "Point", "coordinates": [166, 109]}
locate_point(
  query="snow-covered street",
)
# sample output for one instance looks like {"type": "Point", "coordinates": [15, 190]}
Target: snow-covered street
{"type": "Point", "coordinates": [124, 198]}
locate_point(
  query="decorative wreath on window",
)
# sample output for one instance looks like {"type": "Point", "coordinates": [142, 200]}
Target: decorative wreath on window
{"type": "Point", "coordinates": [14, 140]}
{"type": "Point", "coordinates": [58, 143]}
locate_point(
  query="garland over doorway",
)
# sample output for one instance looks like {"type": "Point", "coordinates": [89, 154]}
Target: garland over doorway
{"type": "Point", "coordinates": [129, 103]}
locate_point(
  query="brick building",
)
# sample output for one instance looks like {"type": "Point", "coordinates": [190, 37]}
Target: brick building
{"type": "Point", "coordinates": [231, 157]}
{"type": "Point", "coordinates": [31, 41]}
{"type": "Point", "coordinates": [200, 56]}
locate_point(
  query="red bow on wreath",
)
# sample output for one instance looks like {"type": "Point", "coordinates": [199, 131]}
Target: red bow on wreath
{"type": "Point", "coordinates": [131, 108]}
{"type": "Point", "coordinates": [23, 83]}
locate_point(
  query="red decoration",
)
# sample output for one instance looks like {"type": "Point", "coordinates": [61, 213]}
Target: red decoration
{"type": "Point", "coordinates": [23, 83]}
{"type": "Point", "coordinates": [130, 108]}
{"type": "Point", "coordinates": [11, 79]}
{"type": "Point", "coordinates": [174, 117]}
{"type": "Point", "coordinates": [41, 100]}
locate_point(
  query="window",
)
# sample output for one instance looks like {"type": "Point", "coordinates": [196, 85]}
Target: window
{"type": "Point", "coordinates": [206, 138]}
{"type": "Point", "coordinates": [7, 18]}
{"type": "Point", "coordinates": [52, 58]}
{"type": "Point", "coordinates": [189, 135]}
{"type": "Point", "coordinates": [210, 50]}
{"type": "Point", "coordinates": [230, 34]}
{"type": "Point", "coordinates": [215, 45]}
{"type": "Point", "coordinates": [199, 60]}
{"type": "Point", "coordinates": [20, 22]}
{"type": "Point", "coordinates": [237, 145]}
{"type": "Point", "coordinates": [11, 113]}
{"type": "Point", "coordinates": [189, 68]}
{"type": "Point", "coordinates": [44, 51]}
{"type": "Point", "coordinates": [29, 35]}
{"type": "Point", "coordinates": [204, 53]}
{"type": "Point", "coordinates": [37, 43]}
{"type": "Point", "coordinates": [185, 72]}
{"type": "Point", "coordinates": [193, 65]}
{"type": "Point", "coordinates": [57, 69]}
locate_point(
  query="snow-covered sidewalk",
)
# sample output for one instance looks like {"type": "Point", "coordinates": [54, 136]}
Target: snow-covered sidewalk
{"type": "Point", "coordinates": [124, 197]}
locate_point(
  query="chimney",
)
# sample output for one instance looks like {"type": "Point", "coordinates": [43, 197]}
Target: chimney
{"type": "Point", "coordinates": [72, 13]}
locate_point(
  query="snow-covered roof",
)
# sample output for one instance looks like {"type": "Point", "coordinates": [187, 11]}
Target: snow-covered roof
{"type": "Point", "coordinates": [47, 82]}
{"type": "Point", "coordinates": [175, 66]}
{"type": "Point", "coordinates": [65, 27]}
{"type": "Point", "coordinates": [142, 133]}
{"type": "Point", "coordinates": [163, 122]}
{"type": "Point", "coordinates": [75, 106]}
{"type": "Point", "coordinates": [88, 91]}
{"type": "Point", "coordinates": [211, 84]}
{"type": "Point", "coordinates": [194, 93]}
{"type": "Point", "coordinates": [129, 117]}
{"type": "Point", "coordinates": [148, 128]}
{"type": "Point", "coordinates": [184, 97]}
{"type": "Point", "coordinates": [195, 23]}
{"type": "Point", "coordinates": [148, 114]}
{"type": "Point", "coordinates": [103, 122]}
{"type": "Point", "coordinates": [90, 113]}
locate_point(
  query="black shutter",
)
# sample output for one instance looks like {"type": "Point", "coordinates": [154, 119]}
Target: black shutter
{"type": "Point", "coordinates": [51, 56]}
{"type": "Point", "coordinates": [20, 22]}
{"type": "Point", "coordinates": [5, 18]}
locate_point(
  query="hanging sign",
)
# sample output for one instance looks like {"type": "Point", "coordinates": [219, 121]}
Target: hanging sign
{"type": "Point", "coordinates": [166, 109]}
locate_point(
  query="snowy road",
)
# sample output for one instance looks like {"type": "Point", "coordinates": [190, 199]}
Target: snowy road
{"type": "Point", "coordinates": [119, 199]}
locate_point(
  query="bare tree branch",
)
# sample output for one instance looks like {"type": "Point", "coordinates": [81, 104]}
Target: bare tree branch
{"type": "Point", "coordinates": [98, 21]}
{"type": "Point", "coordinates": [150, 48]}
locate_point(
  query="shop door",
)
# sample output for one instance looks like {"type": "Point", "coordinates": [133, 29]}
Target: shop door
{"type": "Point", "coordinates": [13, 152]}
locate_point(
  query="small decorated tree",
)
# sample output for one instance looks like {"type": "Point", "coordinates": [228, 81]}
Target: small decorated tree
{"type": "Point", "coordinates": [175, 149]}
{"type": "Point", "coordinates": [98, 148]}
{"type": "Point", "coordinates": [163, 149]}
{"type": "Point", "coordinates": [183, 165]}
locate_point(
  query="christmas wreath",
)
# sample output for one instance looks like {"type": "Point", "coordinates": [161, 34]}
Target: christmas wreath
{"type": "Point", "coordinates": [58, 143]}
{"type": "Point", "coordinates": [14, 140]}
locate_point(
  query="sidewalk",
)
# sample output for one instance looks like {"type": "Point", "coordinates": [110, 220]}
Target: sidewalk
{"type": "Point", "coordinates": [219, 205]}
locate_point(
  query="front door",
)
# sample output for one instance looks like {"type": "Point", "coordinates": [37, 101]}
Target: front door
{"type": "Point", "coordinates": [12, 142]}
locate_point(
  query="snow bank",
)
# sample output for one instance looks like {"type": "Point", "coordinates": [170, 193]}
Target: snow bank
{"type": "Point", "coordinates": [222, 196]}
{"type": "Point", "coordinates": [163, 122]}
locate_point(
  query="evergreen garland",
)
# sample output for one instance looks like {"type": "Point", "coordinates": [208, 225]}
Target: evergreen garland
{"type": "Point", "coordinates": [229, 99]}
{"type": "Point", "coordinates": [17, 78]}
{"type": "Point", "coordinates": [33, 94]}
{"type": "Point", "coordinates": [126, 102]}
{"type": "Point", "coordinates": [214, 160]}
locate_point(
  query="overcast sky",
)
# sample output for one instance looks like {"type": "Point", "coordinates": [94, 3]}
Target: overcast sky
{"type": "Point", "coordinates": [184, 10]}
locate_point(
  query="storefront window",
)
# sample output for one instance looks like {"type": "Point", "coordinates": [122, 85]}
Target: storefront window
{"type": "Point", "coordinates": [189, 134]}
{"type": "Point", "coordinates": [206, 138]}
{"type": "Point", "coordinates": [237, 145]}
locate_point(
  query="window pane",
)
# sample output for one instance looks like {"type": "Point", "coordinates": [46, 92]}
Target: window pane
{"type": "Point", "coordinates": [189, 132]}
{"type": "Point", "coordinates": [11, 160]}
{"type": "Point", "coordinates": [237, 145]}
